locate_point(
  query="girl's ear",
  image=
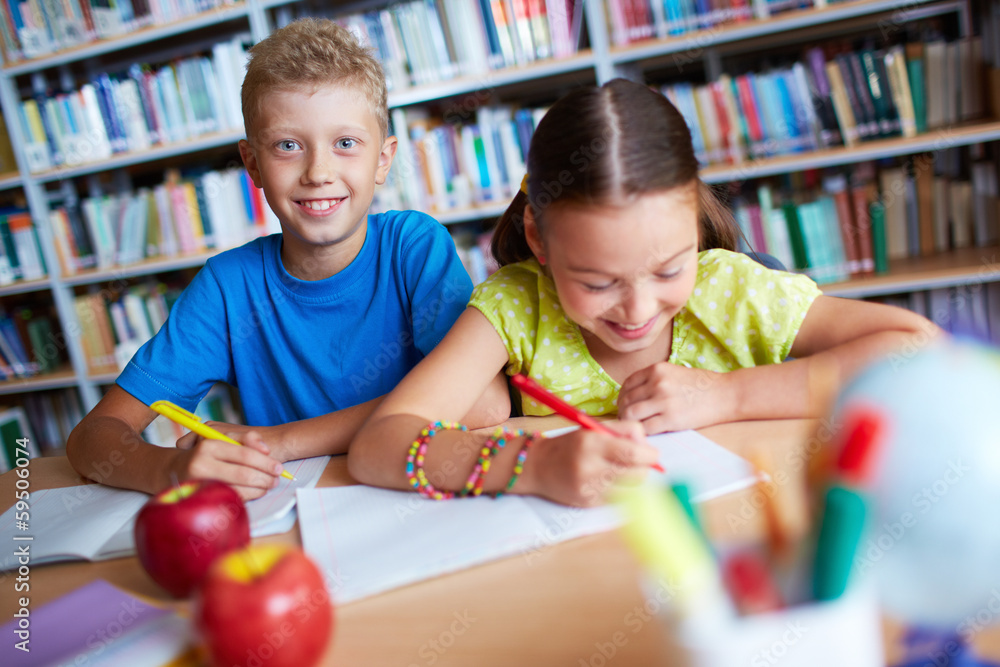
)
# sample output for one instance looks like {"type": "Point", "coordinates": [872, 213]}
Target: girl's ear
{"type": "Point", "coordinates": [531, 234]}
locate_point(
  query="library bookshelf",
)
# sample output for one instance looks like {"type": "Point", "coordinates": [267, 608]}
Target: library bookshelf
{"type": "Point", "coordinates": [599, 61]}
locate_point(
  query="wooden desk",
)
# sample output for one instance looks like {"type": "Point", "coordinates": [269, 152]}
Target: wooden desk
{"type": "Point", "coordinates": [560, 606]}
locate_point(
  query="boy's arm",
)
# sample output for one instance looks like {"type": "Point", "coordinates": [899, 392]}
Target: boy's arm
{"type": "Point", "coordinates": [107, 447]}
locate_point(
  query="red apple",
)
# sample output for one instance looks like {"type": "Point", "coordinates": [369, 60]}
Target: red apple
{"type": "Point", "coordinates": [264, 606]}
{"type": "Point", "coordinates": [180, 531]}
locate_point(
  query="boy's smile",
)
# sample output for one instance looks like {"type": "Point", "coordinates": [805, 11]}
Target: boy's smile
{"type": "Point", "coordinates": [318, 154]}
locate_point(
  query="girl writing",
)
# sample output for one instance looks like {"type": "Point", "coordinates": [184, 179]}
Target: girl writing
{"type": "Point", "coordinates": [620, 292]}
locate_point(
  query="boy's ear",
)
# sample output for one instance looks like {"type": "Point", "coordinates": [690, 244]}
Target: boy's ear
{"type": "Point", "coordinates": [250, 162]}
{"type": "Point", "coordinates": [531, 234]}
{"type": "Point", "coordinates": [385, 159]}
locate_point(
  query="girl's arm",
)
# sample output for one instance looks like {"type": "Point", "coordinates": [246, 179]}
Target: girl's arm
{"type": "Point", "coordinates": [837, 338]}
{"type": "Point", "coordinates": [573, 469]}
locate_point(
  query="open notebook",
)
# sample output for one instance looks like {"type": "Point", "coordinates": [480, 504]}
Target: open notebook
{"type": "Point", "coordinates": [95, 522]}
{"type": "Point", "coordinates": [369, 540]}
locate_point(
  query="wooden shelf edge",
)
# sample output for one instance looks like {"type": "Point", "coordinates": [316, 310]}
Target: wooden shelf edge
{"type": "Point", "coordinates": [735, 32]}
{"type": "Point", "coordinates": [58, 379]}
{"type": "Point", "coordinates": [490, 79]}
{"type": "Point", "coordinates": [470, 213]}
{"type": "Point", "coordinates": [141, 268]}
{"type": "Point", "coordinates": [965, 266]}
{"type": "Point", "coordinates": [199, 143]}
{"type": "Point", "coordinates": [933, 140]}
{"type": "Point", "coordinates": [104, 378]}
{"type": "Point", "coordinates": [25, 286]}
{"type": "Point", "coordinates": [10, 179]}
{"type": "Point", "coordinates": [143, 35]}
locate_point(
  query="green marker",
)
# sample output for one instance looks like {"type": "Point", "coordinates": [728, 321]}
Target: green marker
{"type": "Point", "coordinates": [839, 535]}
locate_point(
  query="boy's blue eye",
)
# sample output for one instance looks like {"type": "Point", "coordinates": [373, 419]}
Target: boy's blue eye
{"type": "Point", "coordinates": [346, 143]}
{"type": "Point", "coordinates": [287, 145]}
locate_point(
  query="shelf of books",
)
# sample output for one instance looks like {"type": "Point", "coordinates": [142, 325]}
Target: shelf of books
{"type": "Point", "coordinates": [657, 32]}
{"type": "Point", "coordinates": [176, 224]}
{"type": "Point", "coordinates": [964, 266]}
{"type": "Point", "coordinates": [150, 111]}
{"type": "Point", "coordinates": [88, 29]}
{"type": "Point", "coordinates": [64, 376]}
{"type": "Point", "coordinates": [434, 50]}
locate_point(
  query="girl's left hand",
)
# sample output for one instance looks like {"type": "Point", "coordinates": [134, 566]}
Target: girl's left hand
{"type": "Point", "coordinates": [667, 397]}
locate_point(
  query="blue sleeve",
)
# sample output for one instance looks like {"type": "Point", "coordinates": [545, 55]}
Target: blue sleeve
{"type": "Point", "coordinates": [438, 285]}
{"type": "Point", "coordinates": [189, 353]}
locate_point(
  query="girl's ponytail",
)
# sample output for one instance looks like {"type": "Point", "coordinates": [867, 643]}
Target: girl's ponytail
{"type": "Point", "coordinates": [716, 226]}
{"type": "Point", "coordinates": [508, 244]}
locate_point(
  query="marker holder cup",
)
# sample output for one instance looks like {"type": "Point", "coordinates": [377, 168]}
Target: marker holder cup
{"type": "Point", "coordinates": [841, 632]}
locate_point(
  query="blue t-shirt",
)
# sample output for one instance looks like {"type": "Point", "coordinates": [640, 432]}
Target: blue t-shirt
{"type": "Point", "coordinates": [297, 349]}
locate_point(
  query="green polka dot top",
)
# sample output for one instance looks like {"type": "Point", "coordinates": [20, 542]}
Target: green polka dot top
{"type": "Point", "coordinates": [740, 314]}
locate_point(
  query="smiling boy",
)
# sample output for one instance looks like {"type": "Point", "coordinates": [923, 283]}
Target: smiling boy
{"type": "Point", "coordinates": [312, 325]}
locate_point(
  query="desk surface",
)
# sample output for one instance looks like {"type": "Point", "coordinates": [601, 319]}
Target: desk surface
{"type": "Point", "coordinates": [558, 607]}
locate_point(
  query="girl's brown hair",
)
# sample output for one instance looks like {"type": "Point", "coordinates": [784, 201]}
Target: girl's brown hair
{"type": "Point", "coordinates": [610, 144]}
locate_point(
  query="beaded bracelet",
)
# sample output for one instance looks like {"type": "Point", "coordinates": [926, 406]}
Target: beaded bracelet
{"type": "Point", "coordinates": [494, 444]}
{"type": "Point", "coordinates": [519, 464]}
{"type": "Point", "coordinates": [415, 460]}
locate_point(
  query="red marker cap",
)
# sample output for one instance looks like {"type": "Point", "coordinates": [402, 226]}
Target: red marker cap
{"type": "Point", "coordinates": [750, 583]}
{"type": "Point", "coordinates": [865, 428]}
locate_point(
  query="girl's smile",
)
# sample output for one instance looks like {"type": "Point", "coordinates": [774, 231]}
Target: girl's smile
{"type": "Point", "coordinates": [631, 331]}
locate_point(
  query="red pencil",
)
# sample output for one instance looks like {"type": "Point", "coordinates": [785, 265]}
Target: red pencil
{"type": "Point", "coordinates": [543, 395]}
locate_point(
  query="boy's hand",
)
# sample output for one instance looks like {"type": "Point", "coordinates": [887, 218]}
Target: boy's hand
{"type": "Point", "coordinates": [667, 397]}
{"type": "Point", "coordinates": [269, 434]}
{"type": "Point", "coordinates": [580, 467]}
{"type": "Point", "coordinates": [248, 469]}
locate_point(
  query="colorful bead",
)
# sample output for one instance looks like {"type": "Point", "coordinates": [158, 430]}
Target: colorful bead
{"type": "Point", "coordinates": [415, 460]}
{"type": "Point", "coordinates": [519, 464]}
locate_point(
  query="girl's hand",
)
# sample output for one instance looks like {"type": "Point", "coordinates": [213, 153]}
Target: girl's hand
{"type": "Point", "coordinates": [580, 467]}
{"type": "Point", "coordinates": [248, 469]}
{"type": "Point", "coordinates": [667, 397]}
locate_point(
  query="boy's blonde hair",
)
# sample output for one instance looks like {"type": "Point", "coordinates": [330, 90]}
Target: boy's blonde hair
{"type": "Point", "coordinates": [312, 52]}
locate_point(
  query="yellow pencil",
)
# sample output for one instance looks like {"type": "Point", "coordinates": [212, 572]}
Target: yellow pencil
{"type": "Point", "coordinates": [191, 421]}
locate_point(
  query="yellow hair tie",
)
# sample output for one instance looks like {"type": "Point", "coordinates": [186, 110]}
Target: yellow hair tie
{"type": "Point", "coordinates": [524, 184]}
